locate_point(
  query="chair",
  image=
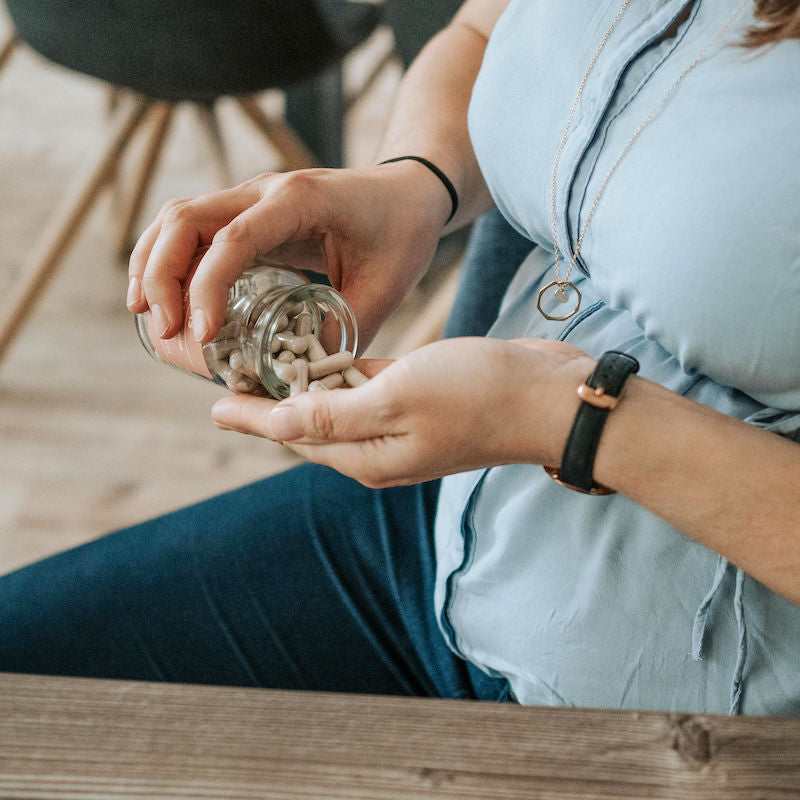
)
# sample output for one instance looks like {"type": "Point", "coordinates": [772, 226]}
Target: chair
{"type": "Point", "coordinates": [158, 53]}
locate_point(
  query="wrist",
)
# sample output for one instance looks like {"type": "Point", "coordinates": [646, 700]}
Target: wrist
{"type": "Point", "coordinates": [419, 184]}
{"type": "Point", "coordinates": [568, 404]}
{"type": "Point", "coordinates": [445, 181]}
{"type": "Point", "coordinates": [599, 394]}
{"type": "Point", "coordinates": [549, 408]}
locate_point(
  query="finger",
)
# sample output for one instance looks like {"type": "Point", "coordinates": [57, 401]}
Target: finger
{"type": "Point", "coordinates": [248, 414]}
{"type": "Point", "coordinates": [245, 414]}
{"type": "Point", "coordinates": [136, 301]}
{"type": "Point", "coordinates": [260, 228]}
{"type": "Point", "coordinates": [183, 226]}
{"type": "Point", "coordinates": [342, 415]}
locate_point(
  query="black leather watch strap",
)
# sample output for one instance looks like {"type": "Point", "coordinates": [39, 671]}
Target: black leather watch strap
{"type": "Point", "coordinates": [599, 394]}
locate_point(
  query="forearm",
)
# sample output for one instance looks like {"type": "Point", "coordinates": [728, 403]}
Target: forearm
{"type": "Point", "coordinates": [732, 487]}
{"type": "Point", "coordinates": [429, 118]}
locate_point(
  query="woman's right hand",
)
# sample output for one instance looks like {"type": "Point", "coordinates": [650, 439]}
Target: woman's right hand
{"type": "Point", "coordinates": [372, 231]}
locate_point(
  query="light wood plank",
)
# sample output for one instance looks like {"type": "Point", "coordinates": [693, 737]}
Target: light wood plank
{"type": "Point", "coordinates": [63, 737]}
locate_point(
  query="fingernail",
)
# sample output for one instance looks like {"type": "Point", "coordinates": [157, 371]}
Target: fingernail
{"type": "Point", "coordinates": [134, 292]}
{"type": "Point", "coordinates": [160, 319]}
{"type": "Point", "coordinates": [223, 412]}
{"type": "Point", "coordinates": [284, 422]}
{"type": "Point", "coordinates": [199, 325]}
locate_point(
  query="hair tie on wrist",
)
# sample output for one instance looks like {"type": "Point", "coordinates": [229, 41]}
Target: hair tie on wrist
{"type": "Point", "coordinates": [451, 190]}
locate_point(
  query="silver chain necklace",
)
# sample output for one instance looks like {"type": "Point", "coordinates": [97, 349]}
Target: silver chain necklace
{"type": "Point", "coordinates": [563, 286]}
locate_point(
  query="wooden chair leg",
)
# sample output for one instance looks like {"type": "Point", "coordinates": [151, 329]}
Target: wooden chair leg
{"type": "Point", "coordinates": [294, 154]}
{"type": "Point", "coordinates": [387, 58]}
{"type": "Point", "coordinates": [209, 125]}
{"type": "Point", "coordinates": [157, 123]}
{"type": "Point", "coordinates": [7, 47]}
{"type": "Point", "coordinates": [28, 285]}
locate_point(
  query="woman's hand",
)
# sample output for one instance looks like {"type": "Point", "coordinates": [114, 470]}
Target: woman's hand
{"type": "Point", "coordinates": [451, 406]}
{"type": "Point", "coordinates": [373, 231]}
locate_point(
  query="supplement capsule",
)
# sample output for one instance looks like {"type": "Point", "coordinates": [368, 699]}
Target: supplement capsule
{"type": "Point", "coordinates": [219, 350]}
{"type": "Point", "coordinates": [315, 350]}
{"type": "Point", "coordinates": [352, 377]}
{"type": "Point", "coordinates": [236, 361]}
{"type": "Point", "coordinates": [297, 344]}
{"type": "Point", "coordinates": [244, 384]}
{"type": "Point", "coordinates": [294, 309]}
{"type": "Point", "coordinates": [300, 382]}
{"type": "Point", "coordinates": [284, 371]}
{"type": "Point", "coordinates": [325, 366]}
{"type": "Point", "coordinates": [332, 381]}
{"type": "Point", "coordinates": [303, 323]}
{"type": "Point", "coordinates": [238, 381]}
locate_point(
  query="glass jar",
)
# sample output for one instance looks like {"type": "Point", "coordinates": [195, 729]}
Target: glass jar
{"type": "Point", "coordinates": [268, 300]}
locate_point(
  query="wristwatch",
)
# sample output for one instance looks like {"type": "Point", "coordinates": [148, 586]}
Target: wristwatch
{"type": "Point", "coordinates": [600, 393]}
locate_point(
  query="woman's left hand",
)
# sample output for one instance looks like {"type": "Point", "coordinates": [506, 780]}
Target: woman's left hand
{"type": "Point", "coordinates": [452, 406]}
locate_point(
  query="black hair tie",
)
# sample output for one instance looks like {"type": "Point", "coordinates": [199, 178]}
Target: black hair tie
{"type": "Point", "coordinates": [451, 190]}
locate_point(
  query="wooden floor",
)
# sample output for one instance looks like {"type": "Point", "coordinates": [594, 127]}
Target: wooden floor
{"type": "Point", "coordinates": [93, 434]}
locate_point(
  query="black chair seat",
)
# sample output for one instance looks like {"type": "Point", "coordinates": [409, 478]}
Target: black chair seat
{"type": "Point", "coordinates": [194, 50]}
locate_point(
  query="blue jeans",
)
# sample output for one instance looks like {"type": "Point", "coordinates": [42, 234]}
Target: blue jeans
{"type": "Point", "coordinates": [305, 580]}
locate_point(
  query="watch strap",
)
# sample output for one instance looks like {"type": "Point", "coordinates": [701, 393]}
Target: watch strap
{"type": "Point", "coordinates": [599, 395]}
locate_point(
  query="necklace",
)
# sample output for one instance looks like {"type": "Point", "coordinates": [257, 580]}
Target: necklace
{"type": "Point", "coordinates": [563, 286]}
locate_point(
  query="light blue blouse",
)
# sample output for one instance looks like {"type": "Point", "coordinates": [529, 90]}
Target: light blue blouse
{"type": "Point", "coordinates": [692, 265]}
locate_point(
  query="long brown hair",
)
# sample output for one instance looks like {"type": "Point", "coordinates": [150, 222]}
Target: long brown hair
{"type": "Point", "coordinates": [781, 20]}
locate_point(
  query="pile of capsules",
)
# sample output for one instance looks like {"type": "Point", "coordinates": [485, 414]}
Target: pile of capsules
{"type": "Point", "coordinates": [297, 358]}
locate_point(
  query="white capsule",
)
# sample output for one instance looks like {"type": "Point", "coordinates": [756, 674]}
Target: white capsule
{"type": "Point", "coordinates": [295, 308]}
{"type": "Point", "coordinates": [236, 360]}
{"type": "Point", "coordinates": [244, 384]}
{"type": "Point", "coordinates": [352, 377]}
{"type": "Point", "coordinates": [239, 363]}
{"type": "Point", "coordinates": [283, 323]}
{"type": "Point", "coordinates": [250, 358]}
{"type": "Point", "coordinates": [315, 351]}
{"type": "Point", "coordinates": [285, 356]}
{"type": "Point", "coordinates": [238, 381]}
{"type": "Point", "coordinates": [325, 366]}
{"type": "Point", "coordinates": [285, 372]}
{"type": "Point", "coordinates": [220, 349]}
{"type": "Point", "coordinates": [303, 323]}
{"type": "Point", "coordinates": [297, 344]}
{"type": "Point", "coordinates": [332, 381]}
{"type": "Point", "coordinates": [300, 382]}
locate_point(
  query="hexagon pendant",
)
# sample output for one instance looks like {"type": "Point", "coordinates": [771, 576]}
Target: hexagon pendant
{"type": "Point", "coordinates": [560, 295]}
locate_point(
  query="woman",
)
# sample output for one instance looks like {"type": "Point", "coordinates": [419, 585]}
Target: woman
{"type": "Point", "coordinates": [650, 151]}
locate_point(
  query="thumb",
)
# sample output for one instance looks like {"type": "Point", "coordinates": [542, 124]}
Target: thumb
{"type": "Point", "coordinates": [340, 415]}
